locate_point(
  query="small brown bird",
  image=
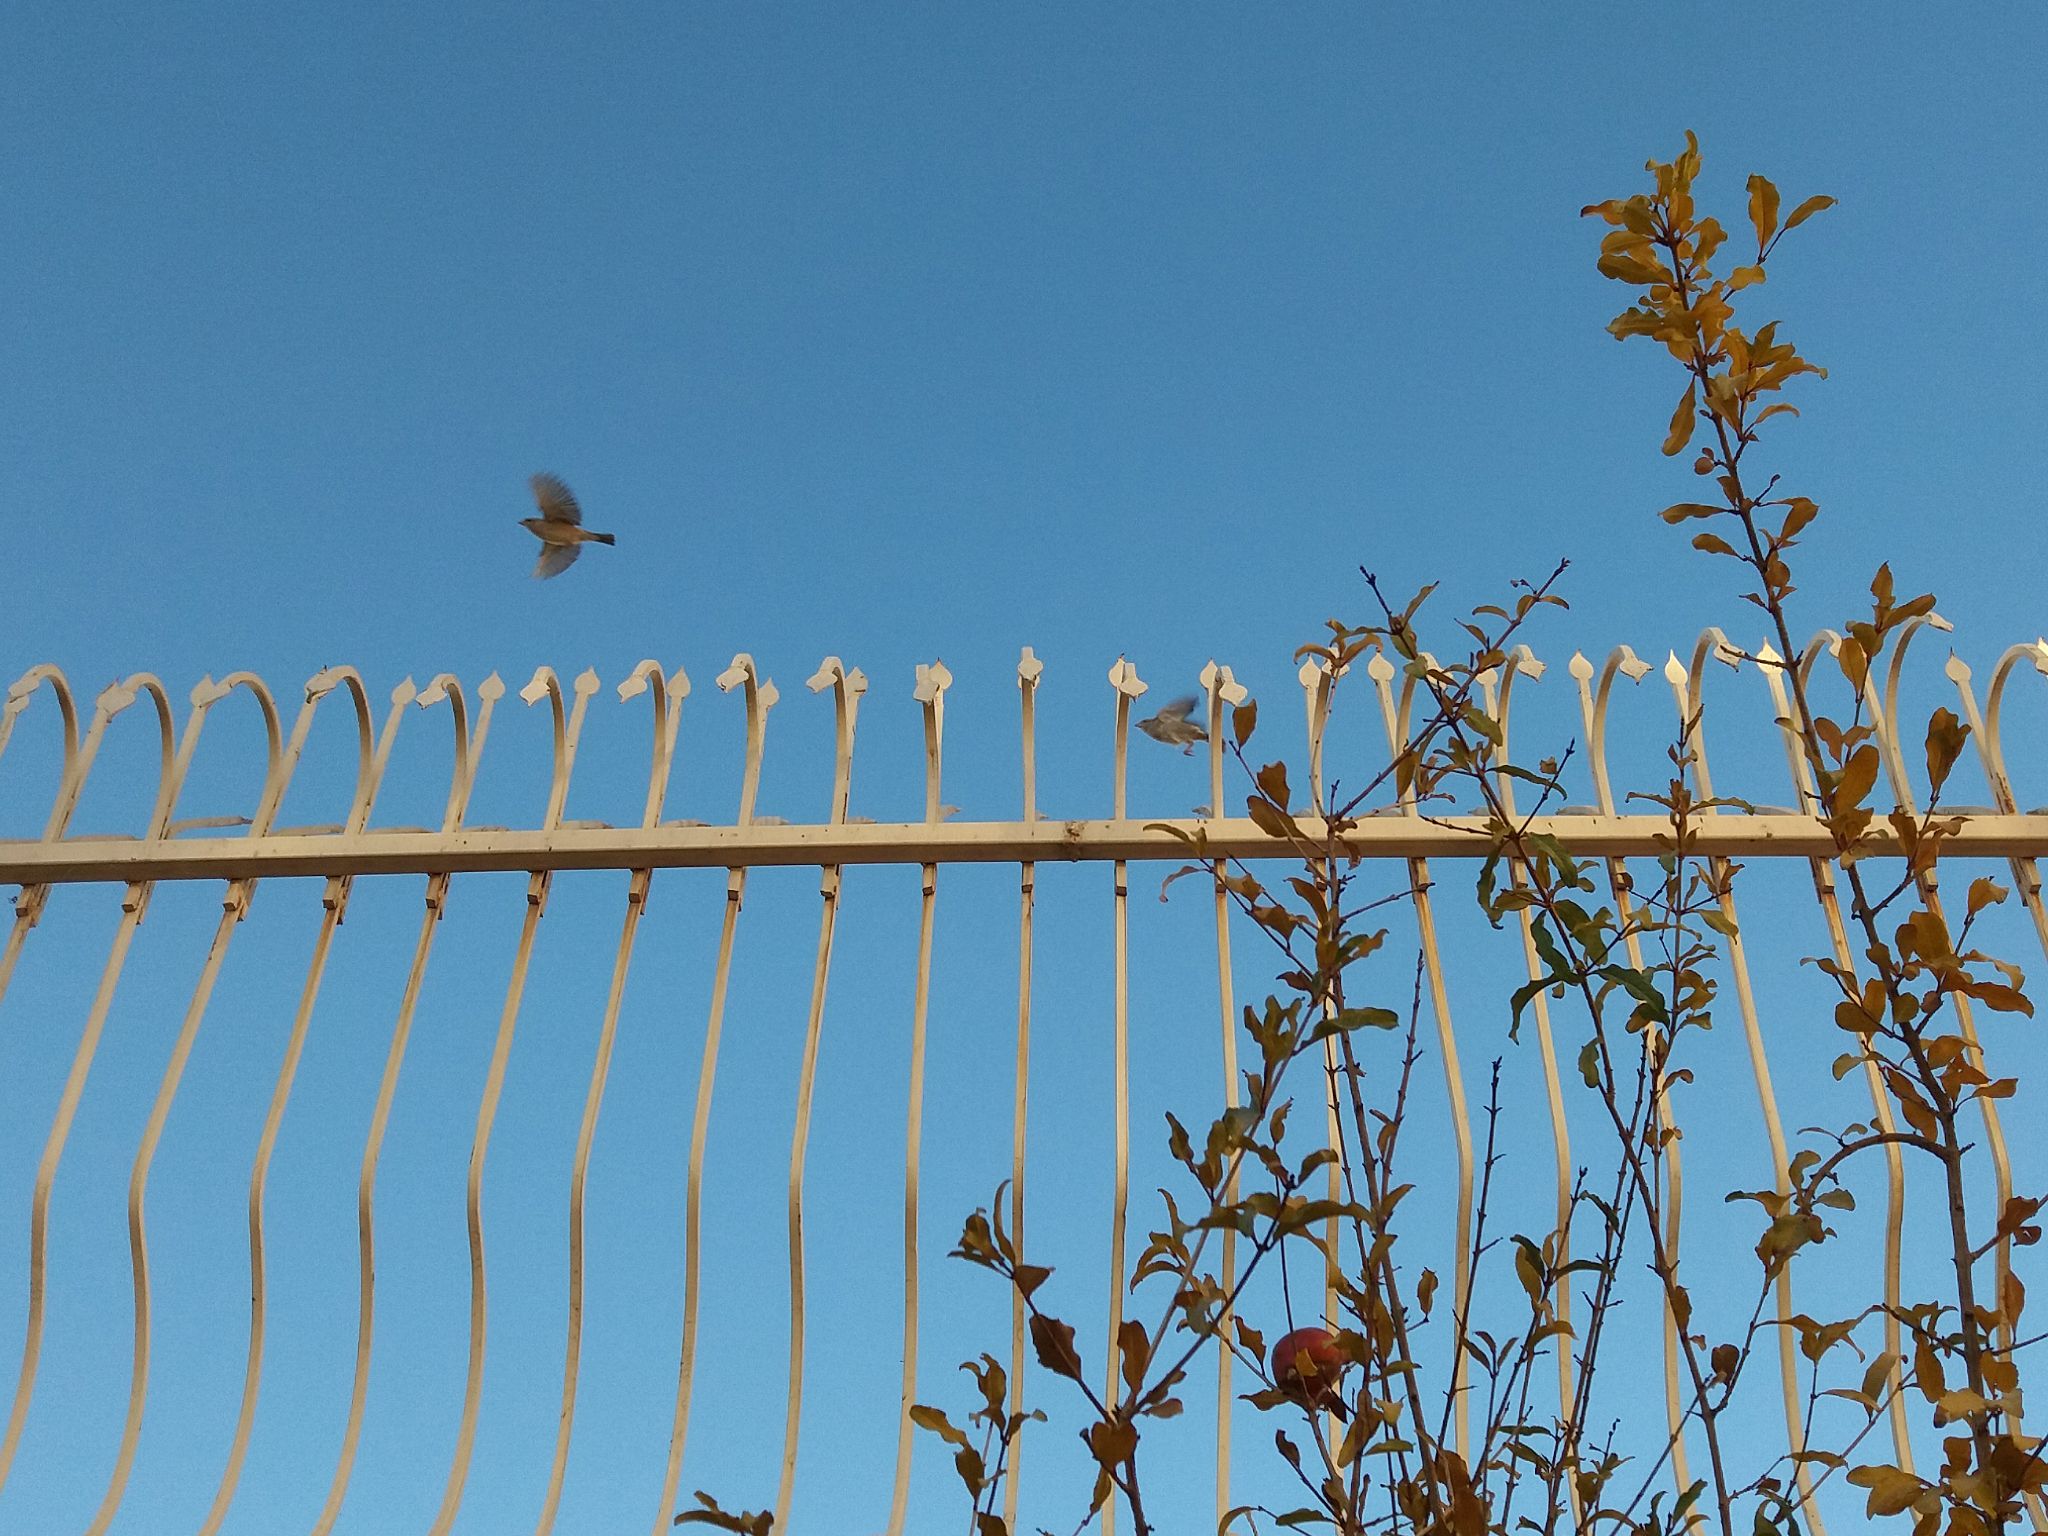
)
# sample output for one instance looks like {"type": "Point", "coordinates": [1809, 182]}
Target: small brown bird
{"type": "Point", "coordinates": [1173, 726]}
{"type": "Point", "coordinates": [559, 527]}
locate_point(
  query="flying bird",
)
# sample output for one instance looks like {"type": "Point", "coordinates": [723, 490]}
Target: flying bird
{"type": "Point", "coordinates": [559, 527]}
{"type": "Point", "coordinates": [1172, 726]}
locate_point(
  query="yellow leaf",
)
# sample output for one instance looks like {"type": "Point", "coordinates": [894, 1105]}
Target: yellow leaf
{"type": "Point", "coordinates": [1891, 1490]}
{"type": "Point", "coordinates": [1799, 511]}
{"type": "Point", "coordinates": [1945, 737]}
{"type": "Point", "coordinates": [1681, 423]}
{"type": "Point", "coordinates": [1629, 268]}
{"type": "Point", "coordinates": [1927, 1372]}
{"type": "Point", "coordinates": [1985, 892]}
{"type": "Point", "coordinates": [1807, 210]}
{"type": "Point", "coordinates": [1858, 775]}
{"type": "Point", "coordinates": [1959, 1404]}
{"type": "Point", "coordinates": [1763, 210]}
{"type": "Point", "coordinates": [1744, 277]}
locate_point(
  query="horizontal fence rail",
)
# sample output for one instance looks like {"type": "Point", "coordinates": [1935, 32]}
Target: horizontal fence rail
{"type": "Point", "coordinates": [245, 851]}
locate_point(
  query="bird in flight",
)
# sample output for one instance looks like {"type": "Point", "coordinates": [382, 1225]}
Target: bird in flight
{"type": "Point", "coordinates": [559, 527]}
{"type": "Point", "coordinates": [1172, 726]}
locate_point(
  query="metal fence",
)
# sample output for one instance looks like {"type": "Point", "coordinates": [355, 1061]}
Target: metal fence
{"type": "Point", "coordinates": [246, 851]}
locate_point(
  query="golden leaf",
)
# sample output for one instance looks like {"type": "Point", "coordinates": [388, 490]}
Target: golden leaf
{"type": "Point", "coordinates": [1682, 423]}
{"type": "Point", "coordinates": [1807, 210]}
{"type": "Point", "coordinates": [1763, 210]}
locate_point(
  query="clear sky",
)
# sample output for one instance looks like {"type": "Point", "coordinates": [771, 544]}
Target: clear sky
{"type": "Point", "coordinates": [893, 332]}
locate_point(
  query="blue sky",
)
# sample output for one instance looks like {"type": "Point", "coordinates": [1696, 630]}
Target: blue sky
{"type": "Point", "coordinates": [891, 332]}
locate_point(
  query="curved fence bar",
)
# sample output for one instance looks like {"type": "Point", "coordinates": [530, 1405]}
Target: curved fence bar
{"type": "Point", "coordinates": [932, 683]}
{"type": "Point", "coordinates": [1396, 718]}
{"type": "Point", "coordinates": [1688, 687]}
{"type": "Point", "coordinates": [1988, 730]}
{"type": "Point", "coordinates": [1884, 716]}
{"type": "Point", "coordinates": [1927, 882]}
{"type": "Point", "coordinates": [1593, 706]}
{"type": "Point", "coordinates": [22, 690]}
{"type": "Point", "coordinates": [134, 903]}
{"type": "Point", "coordinates": [461, 780]}
{"type": "Point", "coordinates": [847, 688]}
{"type": "Point", "coordinates": [566, 734]}
{"type": "Point", "coordinates": [1791, 728]}
{"type": "Point", "coordinates": [1497, 692]}
{"type": "Point", "coordinates": [370, 763]}
{"type": "Point", "coordinates": [278, 771]}
{"type": "Point", "coordinates": [667, 695]}
{"type": "Point", "coordinates": [759, 695]}
{"type": "Point", "coordinates": [28, 904]}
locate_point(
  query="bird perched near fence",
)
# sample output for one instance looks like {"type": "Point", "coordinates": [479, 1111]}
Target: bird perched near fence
{"type": "Point", "coordinates": [559, 527]}
{"type": "Point", "coordinates": [1172, 726]}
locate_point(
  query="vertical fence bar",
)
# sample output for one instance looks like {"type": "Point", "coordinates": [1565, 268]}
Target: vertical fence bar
{"type": "Point", "coordinates": [1688, 686]}
{"type": "Point", "coordinates": [1593, 706]}
{"type": "Point", "coordinates": [1497, 688]}
{"type": "Point", "coordinates": [932, 682]}
{"type": "Point", "coordinates": [2026, 872]}
{"type": "Point", "coordinates": [1396, 719]}
{"type": "Point", "coordinates": [847, 687]}
{"type": "Point", "coordinates": [1222, 688]}
{"type": "Point", "coordinates": [279, 762]}
{"type": "Point", "coordinates": [462, 779]}
{"type": "Point", "coordinates": [1123, 677]}
{"type": "Point", "coordinates": [134, 903]}
{"type": "Point", "coordinates": [1317, 681]}
{"type": "Point", "coordinates": [1029, 669]}
{"type": "Point", "coordinates": [667, 695]}
{"type": "Point", "coordinates": [1791, 729]}
{"type": "Point", "coordinates": [370, 763]}
{"type": "Point", "coordinates": [760, 696]}
{"type": "Point", "coordinates": [1886, 718]}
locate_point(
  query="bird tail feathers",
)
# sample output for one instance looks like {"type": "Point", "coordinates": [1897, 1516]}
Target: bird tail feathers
{"type": "Point", "coordinates": [602, 538]}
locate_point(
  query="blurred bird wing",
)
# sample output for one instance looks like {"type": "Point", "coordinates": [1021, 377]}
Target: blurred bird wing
{"type": "Point", "coordinates": [555, 559]}
{"type": "Point", "coordinates": [557, 503]}
{"type": "Point", "coordinates": [1179, 709]}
